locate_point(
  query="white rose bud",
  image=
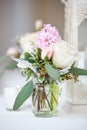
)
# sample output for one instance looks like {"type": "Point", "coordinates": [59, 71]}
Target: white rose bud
{"type": "Point", "coordinates": [64, 55]}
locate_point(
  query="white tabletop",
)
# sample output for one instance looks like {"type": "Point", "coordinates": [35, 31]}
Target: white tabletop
{"type": "Point", "coordinates": [25, 120]}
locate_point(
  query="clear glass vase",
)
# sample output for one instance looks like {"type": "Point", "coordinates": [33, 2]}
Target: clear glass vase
{"type": "Point", "coordinates": [45, 100]}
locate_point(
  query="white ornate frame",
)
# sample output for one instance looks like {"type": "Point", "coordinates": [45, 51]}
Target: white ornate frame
{"type": "Point", "coordinates": [75, 13]}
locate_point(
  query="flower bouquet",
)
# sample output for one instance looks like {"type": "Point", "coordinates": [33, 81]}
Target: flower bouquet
{"type": "Point", "coordinates": [46, 61]}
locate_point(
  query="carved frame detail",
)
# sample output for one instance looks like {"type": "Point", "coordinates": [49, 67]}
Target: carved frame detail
{"type": "Point", "coordinates": [75, 13]}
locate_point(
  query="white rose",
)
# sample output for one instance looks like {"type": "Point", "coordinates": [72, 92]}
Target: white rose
{"type": "Point", "coordinates": [27, 42]}
{"type": "Point", "coordinates": [64, 55]}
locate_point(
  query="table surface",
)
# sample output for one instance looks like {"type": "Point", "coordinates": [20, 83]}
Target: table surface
{"type": "Point", "coordinates": [25, 120]}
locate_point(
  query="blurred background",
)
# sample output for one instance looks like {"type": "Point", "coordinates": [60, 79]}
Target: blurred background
{"type": "Point", "coordinates": [18, 17]}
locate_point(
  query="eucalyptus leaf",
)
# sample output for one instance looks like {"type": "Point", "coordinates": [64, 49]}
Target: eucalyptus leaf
{"type": "Point", "coordinates": [52, 72]}
{"type": "Point", "coordinates": [23, 95]}
{"type": "Point", "coordinates": [78, 71]}
{"type": "Point", "coordinates": [11, 66]}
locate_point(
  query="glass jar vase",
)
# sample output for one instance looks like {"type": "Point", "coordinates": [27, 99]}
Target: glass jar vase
{"type": "Point", "coordinates": [45, 100]}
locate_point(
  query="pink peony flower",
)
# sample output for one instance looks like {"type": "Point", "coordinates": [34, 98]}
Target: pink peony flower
{"type": "Point", "coordinates": [46, 39]}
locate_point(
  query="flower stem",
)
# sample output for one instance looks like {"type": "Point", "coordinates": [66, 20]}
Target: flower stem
{"type": "Point", "coordinates": [54, 98]}
{"type": "Point", "coordinates": [38, 99]}
{"type": "Point", "coordinates": [46, 98]}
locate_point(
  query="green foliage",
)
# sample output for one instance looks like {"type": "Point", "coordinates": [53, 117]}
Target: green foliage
{"type": "Point", "coordinates": [78, 71]}
{"type": "Point", "coordinates": [52, 72]}
{"type": "Point", "coordinates": [29, 73]}
{"type": "Point", "coordinates": [11, 66]}
{"type": "Point", "coordinates": [23, 95]}
{"type": "Point", "coordinates": [28, 57]}
{"type": "Point", "coordinates": [39, 54]}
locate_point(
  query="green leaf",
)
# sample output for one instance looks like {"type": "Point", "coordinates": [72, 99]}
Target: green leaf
{"type": "Point", "coordinates": [39, 53]}
{"type": "Point", "coordinates": [29, 73]}
{"type": "Point", "coordinates": [28, 57]}
{"type": "Point", "coordinates": [11, 66]}
{"type": "Point", "coordinates": [52, 72]}
{"type": "Point", "coordinates": [46, 58]}
{"type": "Point", "coordinates": [23, 95]}
{"type": "Point", "coordinates": [78, 71]}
